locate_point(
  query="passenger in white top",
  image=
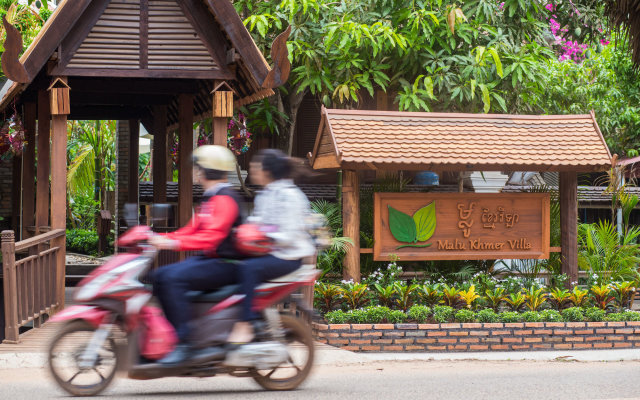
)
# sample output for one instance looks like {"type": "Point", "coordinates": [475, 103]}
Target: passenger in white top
{"type": "Point", "coordinates": [284, 208]}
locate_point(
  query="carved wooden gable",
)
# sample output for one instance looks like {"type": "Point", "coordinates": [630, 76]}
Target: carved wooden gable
{"type": "Point", "coordinates": [149, 35]}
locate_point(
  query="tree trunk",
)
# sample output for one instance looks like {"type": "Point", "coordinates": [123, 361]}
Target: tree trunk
{"type": "Point", "coordinates": [292, 102]}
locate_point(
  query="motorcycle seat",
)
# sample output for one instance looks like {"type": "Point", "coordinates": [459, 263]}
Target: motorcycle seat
{"type": "Point", "coordinates": [198, 296]}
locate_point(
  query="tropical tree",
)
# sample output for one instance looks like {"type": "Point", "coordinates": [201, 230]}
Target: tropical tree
{"type": "Point", "coordinates": [28, 16]}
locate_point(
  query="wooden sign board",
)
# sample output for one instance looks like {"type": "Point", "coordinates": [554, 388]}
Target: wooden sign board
{"type": "Point", "coordinates": [461, 226]}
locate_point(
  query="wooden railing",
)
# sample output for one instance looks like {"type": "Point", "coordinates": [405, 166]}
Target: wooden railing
{"type": "Point", "coordinates": [30, 283]}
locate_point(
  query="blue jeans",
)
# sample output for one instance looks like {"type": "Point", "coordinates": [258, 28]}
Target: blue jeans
{"type": "Point", "coordinates": [172, 282]}
{"type": "Point", "coordinates": [253, 271]}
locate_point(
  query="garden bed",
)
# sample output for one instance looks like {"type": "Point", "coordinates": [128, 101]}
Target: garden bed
{"type": "Point", "coordinates": [470, 337]}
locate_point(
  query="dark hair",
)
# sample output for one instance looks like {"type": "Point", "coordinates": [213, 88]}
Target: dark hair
{"type": "Point", "coordinates": [213, 174]}
{"type": "Point", "coordinates": [275, 162]}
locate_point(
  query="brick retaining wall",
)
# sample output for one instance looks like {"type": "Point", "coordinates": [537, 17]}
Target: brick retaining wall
{"type": "Point", "coordinates": [480, 336]}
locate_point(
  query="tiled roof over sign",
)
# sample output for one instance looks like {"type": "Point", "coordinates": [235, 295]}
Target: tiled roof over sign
{"type": "Point", "coordinates": [408, 140]}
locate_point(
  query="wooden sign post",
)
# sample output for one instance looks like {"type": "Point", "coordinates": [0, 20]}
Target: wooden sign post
{"type": "Point", "coordinates": [222, 110]}
{"type": "Point", "coordinates": [461, 226]}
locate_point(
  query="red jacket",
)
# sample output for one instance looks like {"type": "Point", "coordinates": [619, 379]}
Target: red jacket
{"type": "Point", "coordinates": [209, 230]}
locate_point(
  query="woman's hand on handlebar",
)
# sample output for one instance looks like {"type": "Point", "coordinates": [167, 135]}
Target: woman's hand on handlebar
{"type": "Point", "coordinates": [163, 243]}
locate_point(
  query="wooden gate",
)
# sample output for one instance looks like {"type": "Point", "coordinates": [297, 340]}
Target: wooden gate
{"type": "Point", "coordinates": [30, 283]}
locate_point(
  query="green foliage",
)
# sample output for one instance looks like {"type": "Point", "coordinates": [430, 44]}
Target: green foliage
{"type": "Point", "coordinates": [397, 317]}
{"type": "Point", "coordinates": [327, 295]}
{"type": "Point", "coordinates": [595, 314]}
{"type": "Point", "coordinates": [385, 294]}
{"type": "Point", "coordinates": [419, 314]}
{"type": "Point", "coordinates": [495, 297]}
{"type": "Point", "coordinates": [509, 316]}
{"type": "Point", "coordinates": [559, 297]}
{"type": "Point", "coordinates": [430, 294]}
{"type": "Point", "coordinates": [535, 298]}
{"type": "Point", "coordinates": [82, 241]}
{"type": "Point", "coordinates": [331, 258]}
{"type": "Point", "coordinates": [631, 316]}
{"type": "Point", "coordinates": [82, 212]}
{"type": "Point", "coordinates": [624, 292]}
{"type": "Point", "coordinates": [469, 296]}
{"type": "Point", "coordinates": [405, 294]}
{"type": "Point", "coordinates": [336, 317]}
{"type": "Point", "coordinates": [615, 317]}
{"type": "Point", "coordinates": [573, 314]}
{"type": "Point", "coordinates": [606, 255]}
{"type": "Point", "coordinates": [531, 316]}
{"type": "Point", "coordinates": [450, 295]}
{"type": "Point", "coordinates": [487, 315]}
{"type": "Point", "coordinates": [355, 295]}
{"type": "Point", "coordinates": [357, 316]}
{"type": "Point", "coordinates": [375, 315]}
{"type": "Point", "coordinates": [578, 297]}
{"type": "Point", "coordinates": [442, 314]}
{"type": "Point", "coordinates": [602, 296]}
{"type": "Point", "coordinates": [465, 315]}
{"type": "Point", "coordinates": [551, 316]}
{"type": "Point", "coordinates": [516, 301]}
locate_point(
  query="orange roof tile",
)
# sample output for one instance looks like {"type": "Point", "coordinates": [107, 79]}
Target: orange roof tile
{"type": "Point", "coordinates": [366, 139]}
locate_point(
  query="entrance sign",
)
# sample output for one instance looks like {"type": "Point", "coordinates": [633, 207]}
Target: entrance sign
{"type": "Point", "coordinates": [461, 226]}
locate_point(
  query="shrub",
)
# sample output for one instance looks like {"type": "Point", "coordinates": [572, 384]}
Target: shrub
{"type": "Point", "coordinates": [465, 316]}
{"type": "Point", "coordinates": [357, 316]}
{"type": "Point", "coordinates": [615, 317]}
{"type": "Point", "coordinates": [442, 314]}
{"type": "Point", "coordinates": [419, 313]}
{"type": "Point", "coordinates": [336, 317]}
{"type": "Point", "coordinates": [595, 314]}
{"type": "Point", "coordinates": [510, 316]}
{"type": "Point", "coordinates": [551, 316]}
{"type": "Point", "coordinates": [487, 315]}
{"type": "Point", "coordinates": [355, 295]}
{"type": "Point", "coordinates": [573, 314]}
{"type": "Point", "coordinates": [631, 316]}
{"type": "Point", "coordinates": [82, 241]}
{"type": "Point", "coordinates": [531, 316]}
{"type": "Point", "coordinates": [375, 315]}
{"type": "Point", "coordinates": [327, 296]}
{"type": "Point", "coordinates": [397, 317]}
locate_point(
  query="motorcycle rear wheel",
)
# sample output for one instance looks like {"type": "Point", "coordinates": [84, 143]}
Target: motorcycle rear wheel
{"type": "Point", "coordinates": [299, 340]}
{"type": "Point", "coordinates": [69, 343]}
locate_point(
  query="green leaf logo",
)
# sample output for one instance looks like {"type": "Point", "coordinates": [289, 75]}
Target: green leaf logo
{"type": "Point", "coordinates": [418, 228]}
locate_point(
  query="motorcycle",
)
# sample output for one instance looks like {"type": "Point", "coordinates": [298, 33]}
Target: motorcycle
{"type": "Point", "coordinates": [113, 327]}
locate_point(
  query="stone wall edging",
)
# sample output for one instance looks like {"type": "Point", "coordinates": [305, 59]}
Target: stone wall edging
{"type": "Point", "coordinates": [469, 337]}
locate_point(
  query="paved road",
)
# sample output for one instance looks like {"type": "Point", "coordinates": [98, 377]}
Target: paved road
{"type": "Point", "coordinates": [457, 380]}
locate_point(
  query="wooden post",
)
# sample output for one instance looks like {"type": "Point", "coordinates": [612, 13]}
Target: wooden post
{"type": "Point", "coordinates": [16, 194]}
{"type": "Point", "coordinates": [185, 144]}
{"type": "Point", "coordinates": [221, 112]}
{"type": "Point", "coordinates": [569, 224]}
{"type": "Point", "coordinates": [160, 154]}
{"type": "Point", "coordinates": [134, 160]}
{"type": "Point", "coordinates": [10, 287]}
{"type": "Point", "coordinates": [29, 169]}
{"type": "Point", "coordinates": [351, 223]}
{"type": "Point", "coordinates": [44, 157]}
{"type": "Point", "coordinates": [59, 191]}
{"type": "Point", "coordinates": [220, 130]}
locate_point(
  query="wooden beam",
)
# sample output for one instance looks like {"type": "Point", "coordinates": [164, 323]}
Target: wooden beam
{"type": "Point", "coordinates": [351, 223]}
{"type": "Point", "coordinates": [107, 112]}
{"type": "Point", "coordinates": [569, 224]}
{"type": "Point", "coordinates": [185, 148]}
{"type": "Point", "coordinates": [44, 157]}
{"type": "Point", "coordinates": [144, 34]}
{"type": "Point", "coordinates": [123, 98]}
{"type": "Point", "coordinates": [59, 198]}
{"type": "Point", "coordinates": [148, 73]}
{"type": "Point", "coordinates": [134, 160]}
{"type": "Point", "coordinates": [160, 154]}
{"type": "Point", "coordinates": [133, 86]}
{"type": "Point", "coordinates": [29, 168]}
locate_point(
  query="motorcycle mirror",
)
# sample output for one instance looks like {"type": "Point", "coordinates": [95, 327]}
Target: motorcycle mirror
{"type": "Point", "coordinates": [160, 213]}
{"type": "Point", "coordinates": [131, 214]}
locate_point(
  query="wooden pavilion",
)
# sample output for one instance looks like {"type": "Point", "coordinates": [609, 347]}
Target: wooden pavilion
{"type": "Point", "coordinates": [162, 63]}
{"type": "Point", "coordinates": [360, 140]}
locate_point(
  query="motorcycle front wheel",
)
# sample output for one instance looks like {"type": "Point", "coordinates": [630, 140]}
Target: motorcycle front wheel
{"type": "Point", "coordinates": [65, 352]}
{"type": "Point", "coordinates": [291, 374]}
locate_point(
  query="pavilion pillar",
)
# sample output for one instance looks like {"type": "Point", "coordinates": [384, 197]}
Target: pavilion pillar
{"type": "Point", "coordinates": [222, 103]}
{"type": "Point", "coordinates": [16, 191]}
{"type": "Point", "coordinates": [134, 160]}
{"type": "Point", "coordinates": [42, 179]}
{"type": "Point", "coordinates": [185, 148]}
{"type": "Point", "coordinates": [59, 184]}
{"type": "Point", "coordinates": [29, 168]}
{"type": "Point", "coordinates": [569, 224]}
{"type": "Point", "coordinates": [160, 154]}
{"type": "Point", "coordinates": [351, 223]}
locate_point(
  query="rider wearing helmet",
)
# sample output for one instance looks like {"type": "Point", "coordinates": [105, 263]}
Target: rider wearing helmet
{"type": "Point", "coordinates": [208, 231]}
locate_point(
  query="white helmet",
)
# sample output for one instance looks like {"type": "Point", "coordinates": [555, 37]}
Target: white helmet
{"type": "Point", "coordinates": [214, 157]}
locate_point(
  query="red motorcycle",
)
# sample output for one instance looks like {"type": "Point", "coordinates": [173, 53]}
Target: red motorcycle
{"type": "Point", "coordinates": [115, 328]}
